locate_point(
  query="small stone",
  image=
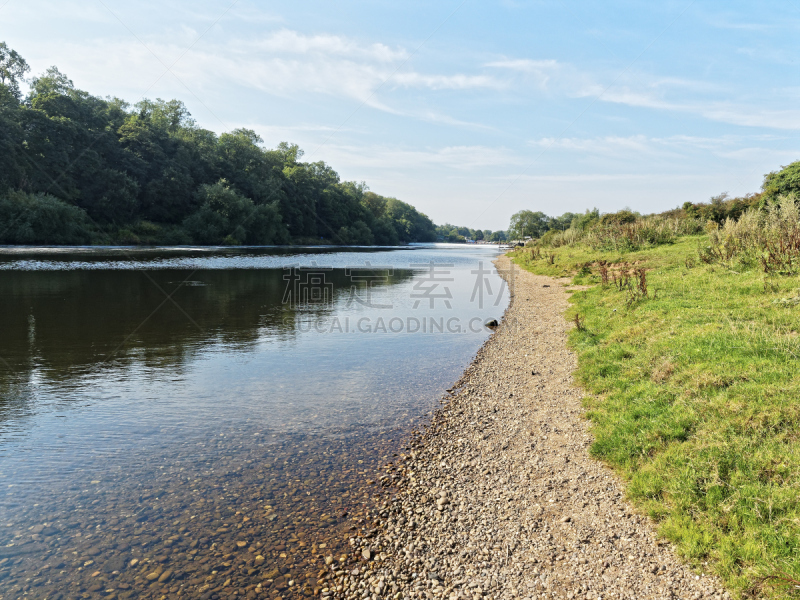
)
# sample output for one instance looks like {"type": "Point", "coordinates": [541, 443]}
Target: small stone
{"type": "Point", "coordinates": [329, 559]}
{"type": "Point", "coordinates": [259, 559]}
{"type": "Point", "coordinates": [241, 544]}
{"type": "Point", "coordinates": [366, 554]}
{"type": "Point", "coordinates": [165, 576]}
{"type": "Point", "coordinates": [133, 562]}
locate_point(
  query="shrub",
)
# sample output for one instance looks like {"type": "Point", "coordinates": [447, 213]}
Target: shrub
{"type": "Point", "coordinates": [42, 219]}
{"type": "Point", "coordinates": [642, 233]}
{"type": "Point", "coordinates": [618, 218]}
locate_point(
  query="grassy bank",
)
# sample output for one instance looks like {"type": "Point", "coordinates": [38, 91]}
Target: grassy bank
{"type": "Point", "coordinates": [692, 373]}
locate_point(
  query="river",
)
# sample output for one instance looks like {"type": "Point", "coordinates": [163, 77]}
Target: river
{"type": "Point", "coordinates": [213, 419]}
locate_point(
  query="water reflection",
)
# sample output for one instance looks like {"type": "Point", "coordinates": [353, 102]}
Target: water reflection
{"type": "Point", "coordinates": [177, 409]}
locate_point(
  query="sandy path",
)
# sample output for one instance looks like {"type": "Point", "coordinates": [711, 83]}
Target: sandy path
{"type": "Point", "coordinates": [499, 498]}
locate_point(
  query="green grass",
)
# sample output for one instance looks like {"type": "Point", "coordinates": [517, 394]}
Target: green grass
{"type": "Point", "coordinates": [694, 396]}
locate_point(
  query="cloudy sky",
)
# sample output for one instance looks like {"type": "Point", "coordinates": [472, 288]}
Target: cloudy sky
{"type": "Point", "coordinates": [470, 110]}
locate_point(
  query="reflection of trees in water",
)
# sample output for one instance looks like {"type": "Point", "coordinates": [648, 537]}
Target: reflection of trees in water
{"type": "Point", "coordinates": [67, 323]}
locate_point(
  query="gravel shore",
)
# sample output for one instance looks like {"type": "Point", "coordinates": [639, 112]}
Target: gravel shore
{"type": "Point", "coordinates": [498, 497]}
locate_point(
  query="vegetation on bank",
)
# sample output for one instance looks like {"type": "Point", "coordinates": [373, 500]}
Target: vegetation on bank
{"type": "Point", "coordinates": [455, 234]}
{"type": "Point", "coordinates": [79, 169]}
{"type": "Point", "coordinates": [689, 345]}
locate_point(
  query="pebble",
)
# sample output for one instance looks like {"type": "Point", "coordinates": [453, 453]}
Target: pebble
{"type": "Point", "coordinates": [498, 498]}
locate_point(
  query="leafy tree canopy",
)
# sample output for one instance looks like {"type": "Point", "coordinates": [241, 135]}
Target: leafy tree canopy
{"type": "Point", "coordinates": [107, 172]}
{"type": "Point", "coordinates": [12, 69]}
{"type": "Point", "coordinates": [782, 183]}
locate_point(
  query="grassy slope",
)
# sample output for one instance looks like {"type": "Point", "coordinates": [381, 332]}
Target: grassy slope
{"type": "Point", "coordinates": [695, 399]}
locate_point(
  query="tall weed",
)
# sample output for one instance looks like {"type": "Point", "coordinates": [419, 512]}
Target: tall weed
{"type": "Point", "coordinates": [768, 238]}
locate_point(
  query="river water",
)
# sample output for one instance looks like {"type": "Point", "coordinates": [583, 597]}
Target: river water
{"type": "Point", "coordinates": [209, 422]}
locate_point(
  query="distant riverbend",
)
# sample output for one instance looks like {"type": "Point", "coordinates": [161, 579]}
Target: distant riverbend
{"type": "Point", "coordinates": [209, 419]}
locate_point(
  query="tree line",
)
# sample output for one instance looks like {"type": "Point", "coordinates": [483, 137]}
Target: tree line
{"type": "Point", "coordinates": [80, 169]}
{"type": "Point", "coordinates": [777, 184]}
{"type": "Point", "coordinates": [456, 234]}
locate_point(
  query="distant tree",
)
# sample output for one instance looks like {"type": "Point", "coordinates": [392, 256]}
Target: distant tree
{"type": "Point", "coordinates": [12, 69]}
{"type": "Point", "coordinates": [528, 223]}
{"type": "Point", "coordinates": [587, 219]}
{"type": "Point", "coordinates": [781, 183]}
{"type": "Point", "coordinates": [563, 222]}
{"type": "Point", "coordinates": [52, 82]}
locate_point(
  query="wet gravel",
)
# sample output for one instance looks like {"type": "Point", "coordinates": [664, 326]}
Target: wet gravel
{"type": "Point", "coordinates": [258, 517]}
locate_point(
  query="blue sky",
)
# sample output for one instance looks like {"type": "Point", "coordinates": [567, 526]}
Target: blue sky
{"type": "Point", "coordinates": [469, 110]}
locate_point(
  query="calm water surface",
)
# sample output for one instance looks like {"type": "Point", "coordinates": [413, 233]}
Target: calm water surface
{"type": "Point", "coordinates": [213, 415]}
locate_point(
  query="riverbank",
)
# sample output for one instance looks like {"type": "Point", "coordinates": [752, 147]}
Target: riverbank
{"type": "Point", "coordinates": [499, 498]}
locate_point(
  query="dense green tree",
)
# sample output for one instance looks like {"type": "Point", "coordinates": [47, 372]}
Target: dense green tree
{"type": "Point", "coordinates": [528, 223]}
{"type": "Point", "coordinates": [456, 234]}
{"type": "Point", "coordinates": [587, 219]}
{"type": "Point", "coordinates": [148, 172]}
{"type": "Point", "coordinates": [227, 217]}
{"type": "Point", "coordinates": [12, 168]}
{"type": "Point", "coordinates": [783, 182]}
{"type": "Point", "coordinates": [562, 222]}
{"type": "Point", "coordinates": [12, 69]}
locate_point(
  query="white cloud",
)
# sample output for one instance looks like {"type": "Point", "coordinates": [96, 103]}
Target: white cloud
{"type": "Point", "coordinates": [541, 71]}
{"type": "Point", "coordinates": [677, 148]}
{"type": "Point", "coordinates": [292, 42]}
{"type": "Point", "coordinates": [752, 116]}
{"type": "Point", "coordinates": [453, 158]}
{"type": "Point", "coordinates": [282, 63]}
{"type": "Point", "coordinates": [643, 90]}
{"type": "Point", "coordinates": [604, 145]}
{"type": "Point", "coordinates": [446, 82]}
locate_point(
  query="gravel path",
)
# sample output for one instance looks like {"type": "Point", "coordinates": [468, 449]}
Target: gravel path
{"type": "Point", "coordinates": [498, 497]}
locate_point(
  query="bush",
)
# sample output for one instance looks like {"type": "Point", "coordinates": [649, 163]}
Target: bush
{"type": "Point", "coordinates": [43, 219]}
{"type": "Point", "coordinates": [357, 234]}
{"type": "Point", "coordinates": [618, 218]}
{"type": "Point", "coordinates": [227, 218]}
